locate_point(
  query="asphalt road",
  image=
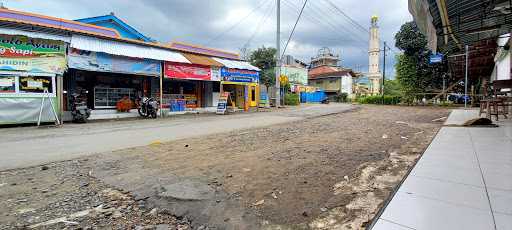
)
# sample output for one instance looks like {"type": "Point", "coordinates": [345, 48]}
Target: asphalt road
{"type": "Point", "coordinates": [31, 146]}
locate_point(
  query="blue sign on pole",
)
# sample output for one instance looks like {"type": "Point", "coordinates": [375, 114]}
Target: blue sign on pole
{"type": "Point", "coordinates": [436, 58]}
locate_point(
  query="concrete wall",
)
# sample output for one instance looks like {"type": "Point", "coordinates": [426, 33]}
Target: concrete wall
{"type": "Point", "coordinates": [327, 84]}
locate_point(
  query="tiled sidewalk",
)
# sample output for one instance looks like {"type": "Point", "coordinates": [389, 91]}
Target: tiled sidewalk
{"type": "Point", "coordinates": [462, 181]}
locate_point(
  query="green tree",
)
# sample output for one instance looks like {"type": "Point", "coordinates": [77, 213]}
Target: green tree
{"type": "Point", "coordinates": [406, 75]}
{"type": "Point", "coordinates": [265, 59]}
{"type": "Point", "coordinates": [410, 40]}
{"type": "Point", "coordinates": [414, 73]}
{"type": "Point", "coordinates": [392, 88]}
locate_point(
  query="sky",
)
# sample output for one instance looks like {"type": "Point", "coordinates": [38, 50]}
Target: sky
{"type": "Point", "coordinates": [233, 24]}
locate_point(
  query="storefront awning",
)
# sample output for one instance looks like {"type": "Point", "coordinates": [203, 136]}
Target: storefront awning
{"type": "Point", "coordinates": [125, 49]}
{"type": "Point", "coordinates": [236, 64]}
{"type": "Point", "coordinates": [202, 60]}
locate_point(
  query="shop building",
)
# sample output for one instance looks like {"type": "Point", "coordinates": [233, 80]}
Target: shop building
{"type": "Point", "coordinates": [31, 68]}
{"type": "Point", "coordinates": [113, 22]}
{"type": "Point", "coordinates": [227, 74]}
{"type": "Point", "coordinates": [196, 84]}
{"type": "Point", "coordinates": [41, 53]}
{"type": "Point", "coordinates": [112, 70]}
{"type": "Point", "coordinates": [241, 80]}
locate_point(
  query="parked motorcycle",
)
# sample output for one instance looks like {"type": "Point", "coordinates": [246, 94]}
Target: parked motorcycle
{"type": "Point", "coordinates": [148, 107]}
{"type": "Point", "coordinates": [79, 109]}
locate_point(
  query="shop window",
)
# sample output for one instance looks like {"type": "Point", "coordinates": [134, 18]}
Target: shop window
{"type": "Point", "coordinates": [7, 84]}
{"type": "Point", "coordinates": [253, 93]}
{"type": "Point", "coordinates": [33, 84]}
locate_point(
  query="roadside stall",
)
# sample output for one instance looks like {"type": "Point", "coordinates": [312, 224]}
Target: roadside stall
{"type": "Point", "coordinates": [195, 85]}
{"type": "Point", "coordinates": [241, 80]}
{"type": "Point", "coordinates": [114, 75]}
{"type": "Point", "coordinates": [30, 69]}
{"type": "Point", "coordinates": [110, 78]}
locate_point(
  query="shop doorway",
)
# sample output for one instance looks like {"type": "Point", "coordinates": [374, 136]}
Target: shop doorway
{"type": "Point", "coordinates": [252, 96]}
{"type": "Point", "coordinates": [104, 90]}
{"type": "Point", "coordinates": [186, 90]}
{"type": "Point", "coordinates": [237, 93]}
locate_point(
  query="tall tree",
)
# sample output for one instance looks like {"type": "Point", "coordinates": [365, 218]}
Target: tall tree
{"type": "Point", "coordinates": [265, 59]}
{"type": "Point", "coordinates": [414, 72]}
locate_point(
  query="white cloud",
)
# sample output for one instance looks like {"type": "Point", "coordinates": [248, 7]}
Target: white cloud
{"type": "Point", "coordinates": [199, 21]}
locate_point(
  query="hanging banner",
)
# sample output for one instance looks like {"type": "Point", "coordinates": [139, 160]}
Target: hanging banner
{"type": "Point", "coordinates": [187, 71]}
{"type": "Point", "coordinates": [216, 74]}
{"type": "Point", "coordinates": [239, 75]}
{"type": "Point", "coordinates": [20, 53]}
{"type": "Point", "coordinates": [103, 62]}
{"type": "Point", "coordinates": [295, 75]}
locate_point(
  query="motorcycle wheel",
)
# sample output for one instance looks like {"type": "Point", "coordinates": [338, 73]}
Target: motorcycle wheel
{"type": "Point", "coordinates": [141, 112]}
{"type": "Point", "coordinates": [153, 115]}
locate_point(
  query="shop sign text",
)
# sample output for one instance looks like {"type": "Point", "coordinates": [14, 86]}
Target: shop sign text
{"type": "Point", "coordinates": [239, 75]}
{"type": "Point", "coordinates": [187, 71]}
{"type": "Point", "coordinates": [103, 62]}
{"type": "Point", "coordinates": [20, 53]}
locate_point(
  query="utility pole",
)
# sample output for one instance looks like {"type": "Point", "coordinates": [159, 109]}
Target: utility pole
{"type": "Point", "coordinates": [466, 80]}
{"type": "Point", "coordinates": [384, 70]}
{"type": "Point", "coordinates": [278, 54]}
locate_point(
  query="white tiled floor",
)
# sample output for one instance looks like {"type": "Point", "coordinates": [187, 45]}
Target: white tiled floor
{"type": "Point", "coordinates": [462, 181]}
{"type": "Point", "coordinates": [459, 116]}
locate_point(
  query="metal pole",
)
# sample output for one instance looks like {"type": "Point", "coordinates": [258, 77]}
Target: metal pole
{"type": "Point", "coordinates": [444, 87]}
{"type": "Point", "coordinates": [162, 73]}
{"type": "Point", "coordinates": [40, 111]}
{"type": "Point", "coordinates": [384, 69]}
{"type": "Point", "coordinates": [466, 79]}
{"type": "Point", "coordinates": [278, 54]}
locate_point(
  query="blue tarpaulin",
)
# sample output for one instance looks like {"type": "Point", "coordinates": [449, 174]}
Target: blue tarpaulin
{"type": "Point", "coordinates": [312, 97]}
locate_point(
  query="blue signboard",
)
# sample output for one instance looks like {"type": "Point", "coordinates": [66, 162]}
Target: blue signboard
{"type": "Point", "coordinates": [103, 62]}
{"type": "Point", "coordinates": [436, 58]}
{"type": "Point", "coordinates": [240, 75]}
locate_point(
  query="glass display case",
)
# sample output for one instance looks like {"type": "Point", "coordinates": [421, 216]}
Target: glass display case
{"type": "Point", "coordinates": [106, 98]}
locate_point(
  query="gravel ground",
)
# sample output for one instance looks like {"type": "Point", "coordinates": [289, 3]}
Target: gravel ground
{"type": "Point", "coordinates": [328, 172]}
{"type": "Point", "coordinates": [63, 195]}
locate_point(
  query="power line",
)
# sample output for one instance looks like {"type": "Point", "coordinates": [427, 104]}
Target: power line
{"type": "Point", "coordinates": [352, 21]}
{"type": "Point", "coordinates": [261, 4]}
{"type": "Point", "coordinates": [322, 14]}
{"type": "Point", "coordinates": [355, 33]}
{"type": "Point", "coordinates": [265, 17]}
{"type": "Point", "coordinates": [294, 26]}
{"type": "Point", "coordinates": [326, 23]}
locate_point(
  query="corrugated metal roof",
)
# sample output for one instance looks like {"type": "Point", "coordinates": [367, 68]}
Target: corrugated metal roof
{"type": "Point", "coordinates": [329, 71]}
{"type": "Point", "coordinates": [202, 60]}
{"type": "Point", "coordinates": [236, 64]}
{"type": "Point", "coordinates": [9, 31]}
{"type": "Point", "coordinates": [125, 49]}
{"type": "Point", "coordinates": [203, 50]}
{"type": "Point", "coordinates": [38, 22]}
{"type": "Point", "coordinates": [57, 23]}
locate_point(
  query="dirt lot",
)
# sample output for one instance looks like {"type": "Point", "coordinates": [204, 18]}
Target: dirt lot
{"type": "Point", "coordinates": [328, 172]}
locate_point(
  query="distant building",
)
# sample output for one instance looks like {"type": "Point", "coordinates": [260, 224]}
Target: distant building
{"type": "Point", "coordinates": [291, 61]}
{"type": "Point", "coordinates": [374, 74]}
{"type": "Point", "coordinates": [324, 58]}
{"type": "Point", "coordinates": [295, 71]}
{"type": "Point", "coordinates": [325, 73]}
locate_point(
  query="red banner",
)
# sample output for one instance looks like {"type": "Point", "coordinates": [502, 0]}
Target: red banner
{"type": "Point", "coordinates": [187, 71]}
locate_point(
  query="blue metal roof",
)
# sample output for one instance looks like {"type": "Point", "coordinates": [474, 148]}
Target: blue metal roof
{"type": "Point", "coordinates": [111, 21]}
